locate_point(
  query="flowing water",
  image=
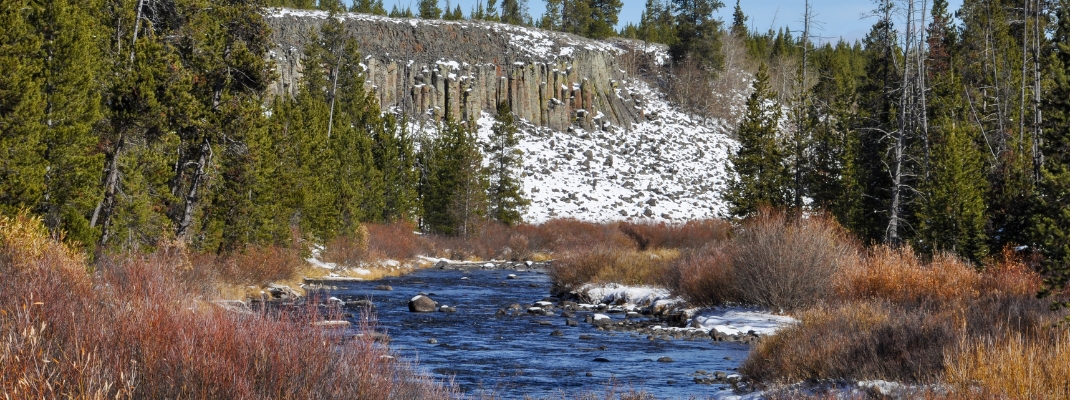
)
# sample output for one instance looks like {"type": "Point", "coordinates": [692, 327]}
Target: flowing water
{"type": "Point", "coordinates": [513, 356]}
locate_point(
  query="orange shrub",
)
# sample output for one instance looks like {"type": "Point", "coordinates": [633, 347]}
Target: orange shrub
{"type": "Point", "coordinates": [900, 276]}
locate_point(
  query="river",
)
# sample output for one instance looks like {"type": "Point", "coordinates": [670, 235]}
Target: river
{"type": "Point", "coordinates": [513, 356]}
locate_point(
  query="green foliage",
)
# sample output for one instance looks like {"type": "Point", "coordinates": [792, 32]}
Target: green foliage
{"type": "Point", "coordinates": [396, 13]}
{"type": "Point", "coordinates": [698, 33]}
{"type": "Point", "coordinates": [505, 195]}
{"type": "Point", "coordinates": [368, 7]}
{"type": "Point", "coordinates": [428, 9]}
{"type": "Point", "coordinates": [514, 12]}
{"type": "Point", "coordinates": [832, 177]}
{"type": "Point", "coordinates": [551, 19]}
{"type": "Point", "coordinates": [72, 64]}
{"type": "Point", "coordinates": [1051, 220]}
{"type": "Point", "coordinates": [739, 22]}
{"type": "Point", "coordinates": [760, 179]}
{"type": "Point", "coordinates": [22, 105]}
{"type": "Point", "coordinates": [453, 185]}
{"type": "Point", "coordinates": [657, 23]}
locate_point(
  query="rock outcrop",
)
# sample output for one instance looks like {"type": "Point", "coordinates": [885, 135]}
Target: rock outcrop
{"type": "Point", "coordinates": [459, 69]}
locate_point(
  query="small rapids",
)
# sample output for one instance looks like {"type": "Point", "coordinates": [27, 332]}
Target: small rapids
{"type": "Point", "coordinates": [513, 356]}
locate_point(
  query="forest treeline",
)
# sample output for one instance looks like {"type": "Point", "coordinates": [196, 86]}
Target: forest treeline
{"type": "Point", "coordinates": [124, 123]}
{"type": "Point", "coordinates": [946, 130]}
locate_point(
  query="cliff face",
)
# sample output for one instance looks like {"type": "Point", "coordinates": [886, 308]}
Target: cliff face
{"type": "Point", "coordinates": [458, 69]}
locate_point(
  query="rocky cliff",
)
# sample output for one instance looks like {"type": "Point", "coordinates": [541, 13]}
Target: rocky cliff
{"type": "Point", "coordinates": [458, 69]}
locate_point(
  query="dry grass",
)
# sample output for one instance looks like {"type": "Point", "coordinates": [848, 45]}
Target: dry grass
{"type": "Point", "coordinates": [611, 265]}
{"type": "Point", "coordinates": [902, 277]}
{"type": "Point", "coordinates": [1012, 366]}
{"type": "Point", "coordinates": [135, 329]}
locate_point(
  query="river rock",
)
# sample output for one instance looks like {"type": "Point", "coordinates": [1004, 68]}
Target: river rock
{"type": "Point", "coordinates": [557, 332]}
{"type": "Point", "coordinates": [384, 287]}
{"type": "Point", "coordinates": [665, 359]}
{"type": "Point", "coordinates": [432, 341]}
{"type": "Point", "coordinates": [601, 359]}
{"type": "Point", "coordinates": [361, 304]}
{"type": "Point", "coordinates": [421, 303]}
{"type": "Point", "coordinates": [446, 308]}
{"type": "Point", "coordinates": [572, 322]}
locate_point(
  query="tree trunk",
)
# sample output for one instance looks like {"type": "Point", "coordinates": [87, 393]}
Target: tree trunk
{"type": "Point", "coordinates": [106, 206]}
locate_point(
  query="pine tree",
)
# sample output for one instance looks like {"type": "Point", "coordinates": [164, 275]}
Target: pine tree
{"type": "Point", "coordinates": [506, 195]}
{"type": "Point", "coordinates": [876, 118]}
{"type": "Point", "coordinates": [1051, 220]}
{"type": "Point", "coordinates": [368, 7]}
{"type": "Point", "coordinates": [551, 19]}
{"type": "Point", "coordinates": [952, 213]}
{"type": "Point", "coordinates": [453, 188]}
{"type": "Point", "coordinates": [22, 164]}
{"type": "Point", "coordinates": [514, 12]}
{"type": "Point", "coordinates": [71, 65]}
{"type": "Point", "coordinates": [604, 18]}
{"type": "Point", "coordinates": [395, 157]}
{"type": "Point", "coordinates": [576, 17]}
{"type": "Point", "coordinates": [698, 33]}
{"type": "Point", "coordinates": [833, 161]}
{"type": "Point", "coordinates": [429, 9]}
{"type": "Point", "coordinates": [760, 179]}
{"type": "Point", "coordinates": [657, 23]}
{"type": "Point", "coordinates": [739, 22]}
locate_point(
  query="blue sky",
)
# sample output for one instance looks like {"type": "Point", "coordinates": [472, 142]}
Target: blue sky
{"type": "Point", "coordinates": [834, 18]}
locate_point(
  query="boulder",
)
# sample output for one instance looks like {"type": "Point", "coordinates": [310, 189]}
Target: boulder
{"type": "Point", "coordinates": [421, 303]}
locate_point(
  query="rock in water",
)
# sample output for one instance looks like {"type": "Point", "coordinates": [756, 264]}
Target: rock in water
{"type": "Point", "coordinates": [421, 303]}
{"type": "Point", "coordinates": [665, 359]}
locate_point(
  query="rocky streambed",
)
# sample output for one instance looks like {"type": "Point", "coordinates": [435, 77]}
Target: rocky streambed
{"type": "Point", "coordinates": [495, 329]}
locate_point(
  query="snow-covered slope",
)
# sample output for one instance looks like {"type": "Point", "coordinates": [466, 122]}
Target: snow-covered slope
{"type": "Point", "coordinates": [670, 168]}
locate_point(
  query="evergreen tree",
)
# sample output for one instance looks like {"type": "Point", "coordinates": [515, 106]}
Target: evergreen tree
{"type": "Point", "coordinates": [760, 179]}
{"type": "Point", "coordinates": [429, 9]}
{"type": "Point", "coordinates": [657, 23]}
{"type": "Point", "coordinates": [739, 22]}
{"type": "Point", "coordinates": [833, 161]}
{"type": "Point", "coordinates": [71, 64]}
{"type": "Point", "coordinates": [453, 189]}
{"type": "Point", "coordinates": [603, 18]}
{"type": "Point", "coordinates": [514, 12]}
{"type": "Point", "coordinates": [505, 196]}
{"type": "Point", "coordinates": [396, 13]}
{"type": "Point", "coordinates": [395, 157]}
{"type": "Point", "coordinates": [876, 118]}
{"type": "Point", "coordinates": [551, 19]}
{"type": "Point", "coordinates": [952, 212]}
{"type": "Point", "coordinates": [368, 7]}
{"type": "Point", "coordinates": [22, 164]}
{"type": "Point", "coordinates": [698, 33]}
{"type": "Point", "coordinates": [1051, 219]}
{"type": "Point", "coordinates": [576, 17]}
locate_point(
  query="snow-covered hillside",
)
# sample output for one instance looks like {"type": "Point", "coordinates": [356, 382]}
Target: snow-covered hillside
{"type": "Point", "coordinates": [670, 168]}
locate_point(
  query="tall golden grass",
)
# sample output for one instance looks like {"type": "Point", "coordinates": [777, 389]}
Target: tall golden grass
{"type": "Point", "coordinates": [1012, 366]}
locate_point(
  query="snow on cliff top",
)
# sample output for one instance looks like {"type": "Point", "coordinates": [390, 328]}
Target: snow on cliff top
{"type": "Point", "coordinates": [533, 42]}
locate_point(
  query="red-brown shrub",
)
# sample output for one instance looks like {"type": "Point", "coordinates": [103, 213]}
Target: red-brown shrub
{"type": "Point", "coordinates": [133, 330]}
{"type": "Point", "coordinates": [784, 262]}
{"type": "Point", "coordinates": [705, 277]}
{"type": "Point", "coordinates": [690, 235]}
{"type": "Point", "coordinates": [397, 241]}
